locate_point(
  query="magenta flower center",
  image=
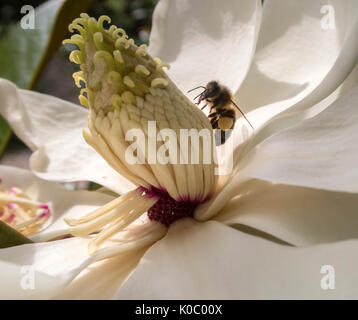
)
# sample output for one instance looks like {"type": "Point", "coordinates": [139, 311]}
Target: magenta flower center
{"type": "Point", "coordinates": [167, 210]}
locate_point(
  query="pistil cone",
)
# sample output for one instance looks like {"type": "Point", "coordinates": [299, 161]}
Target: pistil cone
{"type": "Point", "coordinates": [125, 88]}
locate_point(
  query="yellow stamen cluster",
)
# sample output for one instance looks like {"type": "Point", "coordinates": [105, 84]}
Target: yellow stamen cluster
{"type": "Point", "coordinates": [21, 212]}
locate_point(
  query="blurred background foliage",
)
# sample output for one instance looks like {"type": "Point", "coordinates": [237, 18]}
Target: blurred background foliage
{"type": "Point", "coordinates": [55, 77]}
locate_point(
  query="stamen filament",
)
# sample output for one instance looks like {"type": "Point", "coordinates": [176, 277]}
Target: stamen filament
{"type": "Point", "coordinates": [105, 218]}
{"type": "Point", "coordinates": [120, 224]}
{"type": "Point", "coordinates": [98, 212]}
{"type": "Point", "coordinates": [156, 232]}
{"type": "Point", "coordinates": [33, 220]}
{"type": "Point", "coordinates": [6, 198]}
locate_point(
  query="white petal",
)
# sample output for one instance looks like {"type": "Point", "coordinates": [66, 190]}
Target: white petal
{"type": "Point", "coordinates": [53, 127]}
{"type": "Point", "coordinates": [61, 260]}
{"type": "Point", "coordinates": [66, 259]}
{"type": "Point", "coordinates": [233, 186]}
{"type": "Point", "coordinates": [17, 283]}
{"type": "Point", "coordinates": [321, 152]}
{"type": "Point", "coordinates": [300, 59]}
{"type": "Point", "coordinates": [38, 118]}
{"type": "Point", "coordinates": [297, 215]}
{"type": "Point", "coordinates": [287, 119]}
{"type": "Point", "coordinates": [62, 202]}
{"type": "Point", "coordinates": [55, 258]}
{"type": "Point", "coordinates": [350, 82]}
{"type": "Point", "coordinates": [212, 261]}
{"type": "Point", "coordinates": [71, 159]}
{"type": "Point", "coordinates": [204, 41]}
{"type": "Point", "coordinates": [101, 279]}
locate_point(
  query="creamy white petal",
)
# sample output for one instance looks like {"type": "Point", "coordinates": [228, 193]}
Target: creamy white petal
{"type": "Point", "coordinates": [304, 52]}
{"type": "Point", "coordinates": [105, 278]}
{"type": "Point", "coordinates": [213, 261]}
{"type": "Point", "coordinates": [342, 65]}
{"type": "Point", "coordinates": [292, 38]}
{"type": "Point", "coordinates": [307, 108]}
{"type": "Point", "coordinates": [321, 152]}
{"type": "Point", "coordinates": [71, 159]}
{"type": "Point", "coordinates": [21, 282]}
{"type": "Point", "coordinates": [61, 260]}
{"type": "Point", "coordinates": [53, 129]}
{"type": "Point", "coordinates": [297, 215]}
{"type": "Point", "coordinates": [55, 258]}
{"type": "Point", "coordinates": [350, 82]}
{"type": "Point", "coordinates": [65, 259]}
{"type": "Point", "coordinates": [38, 118]}
{"type": "Point", "coordinates": [204, 41]}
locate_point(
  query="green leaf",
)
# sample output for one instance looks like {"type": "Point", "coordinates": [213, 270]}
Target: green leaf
{"type": "Point", "coordinates": [9, 237]}
{"type": "Point", "coordinates": [5, 134]}
{"type": "Point", "coordinates": [93, 186]}
{"type": "Point", "coordinates": [24, 53]}
{"type": "Point", "coordinates": [23, 56]}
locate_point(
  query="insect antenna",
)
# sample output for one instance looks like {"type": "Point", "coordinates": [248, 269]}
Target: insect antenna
{"type": "Point", "coordinates": [196, 88]}
{"type": "Point", "coordinates": [242, 114]}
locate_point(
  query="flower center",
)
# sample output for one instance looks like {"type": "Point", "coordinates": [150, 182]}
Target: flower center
{"type": "Point", "coordinates": [167, 210]}
{"type": "Point", "coordinates": [126, 90]}
{"type": "Point", "coordinates": [129, 97]}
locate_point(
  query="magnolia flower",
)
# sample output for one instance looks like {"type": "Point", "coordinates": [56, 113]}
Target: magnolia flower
{"type": "Point", "coordinates": [286, 212]}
